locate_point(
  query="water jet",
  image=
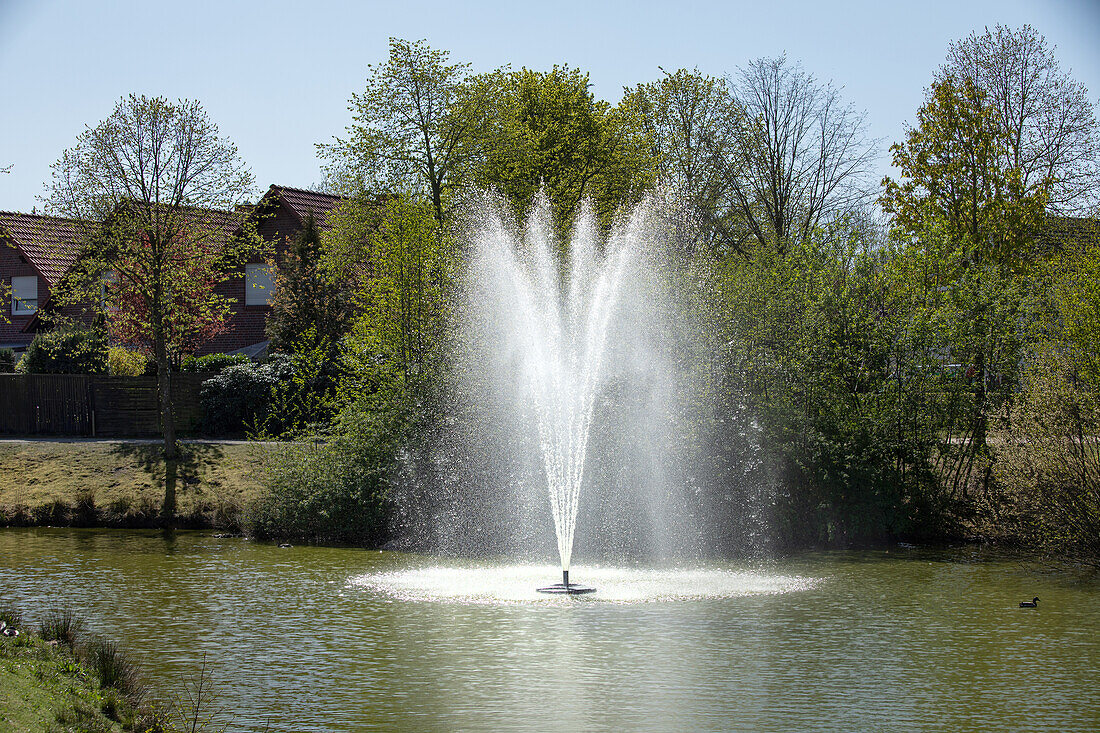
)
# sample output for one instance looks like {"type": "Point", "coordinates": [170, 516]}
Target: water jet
{"type": "Point", "coordinates": [555, 311]}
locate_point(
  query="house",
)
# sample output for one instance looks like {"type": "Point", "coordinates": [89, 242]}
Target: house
{"type": "Point", "coordinates": [282, 211]}
{"type": "Point", "coordinates": [37, 251]}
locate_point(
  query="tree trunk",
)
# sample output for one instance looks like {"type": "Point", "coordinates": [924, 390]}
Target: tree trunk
{"type": "Point", "coordinates": [167, 418]}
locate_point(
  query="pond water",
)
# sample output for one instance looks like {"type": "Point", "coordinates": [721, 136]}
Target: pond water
{"type": "Point", "coordinates": [323, 639]}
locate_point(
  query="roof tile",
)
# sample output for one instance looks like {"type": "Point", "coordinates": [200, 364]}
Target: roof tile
{"type": "Point", "coordinates": [49, 243]}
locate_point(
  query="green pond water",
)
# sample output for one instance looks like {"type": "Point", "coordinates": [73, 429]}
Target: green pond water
{"type": "Point", "coordinates": [321, 639]}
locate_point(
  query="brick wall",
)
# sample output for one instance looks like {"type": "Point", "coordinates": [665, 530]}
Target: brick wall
{"type": "Point", "coordinates": [246, 323]}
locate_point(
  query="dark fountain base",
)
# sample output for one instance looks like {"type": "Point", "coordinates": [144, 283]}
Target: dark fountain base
{"type": "Point", "coordinates": [567, 588]}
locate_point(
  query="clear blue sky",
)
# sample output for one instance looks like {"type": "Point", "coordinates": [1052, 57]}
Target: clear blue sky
{"type": "Point", "coordinates": [276, 76]}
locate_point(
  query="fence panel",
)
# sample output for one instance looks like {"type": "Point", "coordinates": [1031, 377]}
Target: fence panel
{"type": "Point", "coordinates": [94, 405]}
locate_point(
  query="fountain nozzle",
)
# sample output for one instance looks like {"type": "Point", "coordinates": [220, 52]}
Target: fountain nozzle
{"type": "Point", "coordinates": [567, 588]}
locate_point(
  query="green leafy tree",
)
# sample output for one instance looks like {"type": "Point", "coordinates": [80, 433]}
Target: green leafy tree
{"type": "Point", "coordinates": [1048, 125]}
{"type": "Point", "coordinates": [309, 310]}
{"type": "Point", "coordinates": [954, 179]}
{"type": "Point", "coordinates": [689, 121]}
{"type": "Point", "coordinates": [974, 220]}
{"type": "Point", "coordinates": [415, 128]}
{"type": "Point", "coordinates": [403, 266]}
{"type": "Point", "coordinates": [150, 183]}
{"type": "Point", "coordinates": [547, 131]}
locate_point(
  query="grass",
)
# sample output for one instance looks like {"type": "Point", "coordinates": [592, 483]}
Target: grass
{"type": "Point", "coordinates": [123, 484]}
{"type": "Point", "coordinates": [44, 688]}
{"type": "Point", "coordinates": [61, 625]}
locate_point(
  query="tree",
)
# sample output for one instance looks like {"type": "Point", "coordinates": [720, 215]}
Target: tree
{"type": "Point", "coordinates": [547, 131]}
{"type": "Point", "coordinates": [151, 184]}
{"type": "Point", "coordinates": [799, 157]}
{"type": "Point", "coordinates": [689, 121]}
{"type": "Point", "coordinates": [1049, 126]}
{"type": "Point", "coordinates": [414, 126]}
{"type": "Point", "coordinates": [956, 179]}
{"type": "Point", "coordinates": [309, 309]}
{"type": "Point", "coordinates": [972, 219]}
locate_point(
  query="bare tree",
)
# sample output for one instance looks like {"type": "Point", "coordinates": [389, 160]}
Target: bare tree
{"type": "Point", "coordinates": [690, 120]}
{"type": "Point", "coordinates": [1050, 126]}
{"type": "Point", "coordinates": [800, 155]}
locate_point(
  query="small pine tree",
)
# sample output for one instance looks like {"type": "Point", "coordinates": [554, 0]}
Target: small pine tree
{"type": "Point", "coordinates": [309, 310]}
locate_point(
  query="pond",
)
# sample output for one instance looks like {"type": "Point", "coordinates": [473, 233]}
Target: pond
{"type": "Point", "coordinates": [324, 639]}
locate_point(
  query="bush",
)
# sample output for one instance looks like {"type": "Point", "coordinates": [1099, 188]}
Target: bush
{"type": "Point", "coordinates": [241, 395]}
{"type": "Point", "coordinates": [284, 396]}
{"type": "Point", "coordinates": [332, 493]}
{"type": "Point", "coordinates": [213, 362]}
{"type": "Point", "coordinates": [125, 363]}
{"type": "Point", "coordinates": [75, 350]}
{"type": "Point", "coordinates": [7, 360]}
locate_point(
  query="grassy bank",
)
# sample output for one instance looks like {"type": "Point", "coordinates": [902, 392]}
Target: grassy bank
{"type": "Point", "coordinates": [124, 484]}
{"type": "Point", "coordinates": [43, 687]}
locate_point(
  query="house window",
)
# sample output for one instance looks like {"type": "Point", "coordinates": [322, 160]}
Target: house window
{"type": "Point", "coordinates": [259, 284]}
{"type": "Point", "coordinates": [24, 295]}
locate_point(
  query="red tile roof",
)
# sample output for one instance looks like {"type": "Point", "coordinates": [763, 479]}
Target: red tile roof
{"type": "Point", "coordinates": [49, 243]}
{"type": "Point", "coordinates": [301, 202]}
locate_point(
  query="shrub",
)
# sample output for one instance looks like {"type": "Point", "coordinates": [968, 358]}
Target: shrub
{"type": "Point", "coordinates": [61, 625]}
{"type": "Point", "coordinates": [7, 360]}
{"type": "Point", "coordinates": [123, 362]}
{"type": "Point", "coordinates": [282, 396]}
{"type": "Point", "coordinates": [240, 395]}
{"type": "Point", "coordinates": [73, 350]}
{"type": "Point", "coordinates": [333, 493]}
{"type": "Point", "coordinates": [213, 362]}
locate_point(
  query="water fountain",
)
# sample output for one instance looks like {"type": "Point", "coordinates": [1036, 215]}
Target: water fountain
{"type": "Point", "coordinates": [557, 316]}
{"type": "Point", "coordinates": [570, 384]}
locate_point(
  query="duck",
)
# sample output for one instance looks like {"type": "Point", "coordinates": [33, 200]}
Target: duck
{"type": "Point", "coordinates": [1033, 603]}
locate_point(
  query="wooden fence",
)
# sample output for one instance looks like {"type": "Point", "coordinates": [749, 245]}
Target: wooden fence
{"type": "Point", "coordinates": [95, 405]}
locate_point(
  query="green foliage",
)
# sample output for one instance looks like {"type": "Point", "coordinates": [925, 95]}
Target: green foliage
{"type": "Point", "coordinates": [548, 132]}
{"type": "Point", "coordinates": [122, 362]}
{"type": "Point", "coordinates": [401, 337]}
{"type": "Point", "coordinates": [7, 360]}
{"type": "Point", "coordinates": [822, 338]}
{"type": "Point", "coordinates": [689, 122]}
{"type": "Point", "coordinates": [414, 128]}
{"type": "Point", "coordinates": [69, 350]}
{"type": "Point", "coordinates": [956, 184]}
{"type": "Point", "coordinates": [334, 492]}
{"type": "Point", "coordinates": [212, 362]}
{"type": "Point", "coordinates": [308, 302]}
